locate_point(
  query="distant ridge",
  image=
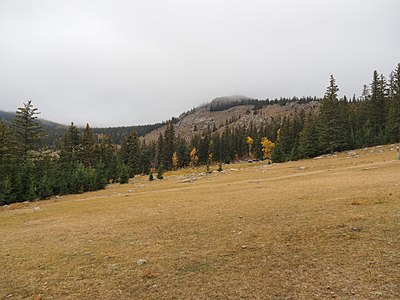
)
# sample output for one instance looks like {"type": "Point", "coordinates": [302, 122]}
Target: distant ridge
{"type": "Point", "coordinates": [219, 113]}
{"type": "Point", "coordinates": [228, 99]}
{"type": "Point", "coordinates": [6, 116]}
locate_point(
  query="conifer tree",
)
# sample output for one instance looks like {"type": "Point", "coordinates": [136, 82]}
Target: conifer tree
{"type": "Point", "coordinates": [160, 171]}
{"type": "Point", "coordinates": [377, 105]}
{"type": "Point", "coordinates": [160, 150]}
{"type": "Point", "coordinates": [277, 155]}
{"type": "Point", "coordinates": [286, 136]}
{"type": "Point", "coordinates": [88, 145]}
{"type": "Point", "coordinates": [7, 195]}
{"type": "Point", "coordinates": [393, 120]}
{"type": "Point", "coordinates": [203, 150]}
{"type": "Point", "coordinates": [71, 144]}
{"type": "Point", "coordinates": [27, 131]}
{"type": "Point", "coordinates": [183, 153]}
{"type": "Point", "coordinates": [329, 120]}
{"type": "Point", "coordinates": [151, 177]}
{"type": "Point", "coordinates": [45, 188]}
{"type": "Point", "coordinates": [308, 143]}
{"type": "Point", "coordinates": [4, 141]}
{"type": "Point", "coordinates": [130, 153]}
{"type": "Point", "coordinates": [123, 174]}
{"type": "Point", "coordinates": [169, 145]}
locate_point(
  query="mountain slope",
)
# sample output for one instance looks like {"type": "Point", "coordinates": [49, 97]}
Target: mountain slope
{"type": "Point", "coordinates": [231, 111]}
{"type": "Point", "coordinates": [237, 113]}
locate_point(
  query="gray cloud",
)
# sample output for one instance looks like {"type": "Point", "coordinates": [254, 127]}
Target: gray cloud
{"type": "Point", "coordinates": [133, 62]}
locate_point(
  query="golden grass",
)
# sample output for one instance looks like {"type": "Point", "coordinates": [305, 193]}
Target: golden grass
{"type": "Point", "coordinates": [312, 229]}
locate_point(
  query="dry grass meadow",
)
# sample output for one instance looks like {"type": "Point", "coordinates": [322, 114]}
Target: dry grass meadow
{"type": "Point", "coordinates": [313, 229]}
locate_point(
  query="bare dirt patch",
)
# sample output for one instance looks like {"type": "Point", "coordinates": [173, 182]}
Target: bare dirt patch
{"type": "Point", "coordinates": [315, 229]}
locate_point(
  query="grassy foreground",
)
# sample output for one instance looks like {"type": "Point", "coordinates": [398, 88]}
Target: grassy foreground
{"type": "Point", "coordinates": [313, 229]}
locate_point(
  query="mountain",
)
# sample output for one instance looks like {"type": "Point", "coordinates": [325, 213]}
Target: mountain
{"type": "Point", "coordinates": [6, 116]}
{"type": "Point", "coordinates": [220, 112]}
{"type": "Point", "coordinates": [234, 111]}
{"type": "Point", "coordinates": [53, 131]}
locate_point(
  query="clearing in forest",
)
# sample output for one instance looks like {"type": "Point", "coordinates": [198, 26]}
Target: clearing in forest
{"type": "Point", "coordinates": [312, 229]}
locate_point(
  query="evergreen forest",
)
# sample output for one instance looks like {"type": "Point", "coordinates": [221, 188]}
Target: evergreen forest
{"type": "Point", "coordinates": [84, 160]}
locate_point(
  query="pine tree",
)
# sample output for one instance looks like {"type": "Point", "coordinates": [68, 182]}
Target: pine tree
{"type": "Point", "coordinates": [123, 174]}
{"type": "Point", "coordinates": [329, 120]}
{"type": "Point", "coordinates": [377, 105]}
{"type": "Point", "coordinates": [101, 175]}
{"type": "Point", "coordinates": [88, 145]}
{"type": "Point", "coordinates": [71, 145]}
{"type": "Point", "coordinates": [308, 143]}
{"type": "Point", "coordinates": [27, 131]}
{"type": "Point", "coordinates": [203, 150]}
{"type": "Point", "coordinates": [183, 153]}
{"type": "Point", "coordinates": [130, 153]}
{"type": "Point", "coordinates": [277, 155]}
{"type": "Point", "coordinates": [169, 145]}
{"type": "Point", "coordinates": [5, 154]}
{"type": "Point", "coordinates": [45, 189]}
{"type": "Point", "coordinates": [160, 150]}
{"type": "Point", "coordinates": [393, 120]}
{"type": "Point", "coordinates": [287, 136]}
{"type": "Point", "coordinates": [151, 177]}
{"type": "Point", "coordinates": [160, 171]}
{"type": "Point", "coordinates": [4, 141]}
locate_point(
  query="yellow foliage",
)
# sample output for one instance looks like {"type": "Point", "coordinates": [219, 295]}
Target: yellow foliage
{"type": "Point", "coordinates": [175, 160]}
{"type": "Point", "coordinates": [278, 135]}
{"type": "Point", "coordinates": [267, 147]}
{"type": "Point", "coordinates": [193, 157]}
{"type": "Point", "coordinates": [249, 142]}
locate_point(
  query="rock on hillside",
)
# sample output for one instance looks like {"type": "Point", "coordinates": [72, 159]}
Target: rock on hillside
{"type": "Point", "coordinates": [200, 118]}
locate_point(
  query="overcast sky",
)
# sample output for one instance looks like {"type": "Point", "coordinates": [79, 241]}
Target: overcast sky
{"type": "Point", "coordinates": [125, 62]}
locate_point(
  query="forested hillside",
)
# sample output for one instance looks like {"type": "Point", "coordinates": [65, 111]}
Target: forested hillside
{"type": "Point", "coordinates": [85, 161]}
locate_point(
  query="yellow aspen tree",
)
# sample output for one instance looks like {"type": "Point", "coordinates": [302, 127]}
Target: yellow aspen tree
{"type": "Point", "coordinates": [267, 147]}
{"type": "Point", "coordinates": [193, 157]}
{"type": "Point", "coordinates": [249, 142]}
{"type": "Point", "coordinates": [175, 160]}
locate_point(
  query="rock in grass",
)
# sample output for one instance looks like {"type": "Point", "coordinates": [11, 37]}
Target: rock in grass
{"type": "Point", "coordinates": [140, 262]}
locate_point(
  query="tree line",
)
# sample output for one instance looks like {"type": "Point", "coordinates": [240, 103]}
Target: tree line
{"type": "Point", "coordinates": [84, 161]}
{"type": "Point", "coordinates": [258, 104]}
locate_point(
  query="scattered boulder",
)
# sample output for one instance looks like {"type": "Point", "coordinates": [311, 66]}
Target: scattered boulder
{"type": "Point", "coordinates": [140, 262]}
{"type": "Point", "coordinates": [351, 154]}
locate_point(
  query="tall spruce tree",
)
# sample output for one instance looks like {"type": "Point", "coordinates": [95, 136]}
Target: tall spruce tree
{"type": "Point", "coordinates": [308, 143]}
{"type": "Point", "coordinates": [169, 145]}
{"type": "Point", "coordinates": [377, 106]}
{"type": "Point", "coordinates": [160, 150]}
{"type": "Point", "coordinates": [27, 131]}
{"type": "Point", "coordinates": [69, 160]}
{"type": "Point", "coordinates": [130, 153]}
{"type": "Point", "coordinates": [87, 149]}
{"type": "Point", "coordinates": [393, 120]}
{"type": "Point", "coordinates": [329, 120]}
{"type": "Point", "coordinates": [71, 144]}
